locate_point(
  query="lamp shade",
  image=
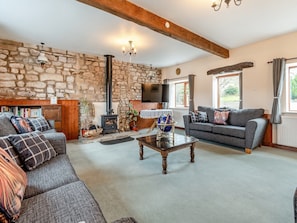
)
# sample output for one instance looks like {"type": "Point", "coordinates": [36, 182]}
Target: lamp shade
{"type": "Point", "coordinates": [42, 58]}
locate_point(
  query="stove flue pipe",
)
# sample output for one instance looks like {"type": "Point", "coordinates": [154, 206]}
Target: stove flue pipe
{"type": "Point", "coordinates": [108, 83]}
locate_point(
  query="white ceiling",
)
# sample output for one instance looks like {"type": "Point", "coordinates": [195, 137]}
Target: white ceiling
{"type": "Point", "coordinates": [74, 26]}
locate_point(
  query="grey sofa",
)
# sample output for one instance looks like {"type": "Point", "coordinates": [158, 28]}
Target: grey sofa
{"type": "Point", "coordinates": [54, 192]}
{"type": "Point", "coordinates": [244, 128]}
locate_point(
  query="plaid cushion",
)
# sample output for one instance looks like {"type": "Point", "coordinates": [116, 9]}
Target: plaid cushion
{"type": "Point", "coordinates": [194, 116]}
{"type": "Point", "coordinates": [39, 124]}
{"type": "Point", "coordinates": [5, 144]}
{"type": "Point", "coordinates": [202, 116]}
{"type": "Point", "coordinates": [199, 116]}
{"type": "Point", "coordinates": [20, 124]}
{"type": "Point", "coordinates": [33, 148]}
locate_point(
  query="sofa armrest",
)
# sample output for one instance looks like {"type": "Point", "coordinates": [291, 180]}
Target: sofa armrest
{"type": "Point", "coordinates": [57, 140]}
{"type": "Point", "coordinates": [187, 121]}
{"type": "Point", "coordinates": [254, 132]}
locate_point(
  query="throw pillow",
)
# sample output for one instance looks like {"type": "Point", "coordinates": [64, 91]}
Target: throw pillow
{"type": "Point", "coordinates": [221, 117]}
{"type": "Point", "coordinates": [5, 144]}
{"type": "Point", "coordinates": [194, 116]}
{"type": "Point", "coordinates": [20, 124]}
{"type": "Point", "coordinates": [33, 148]}
{"type": "Point", "coordinates": [202, 116]}
{"type": "Point", "coordinates": [39, 124]}
{"type": "Point", "coordinates": [13, 181]}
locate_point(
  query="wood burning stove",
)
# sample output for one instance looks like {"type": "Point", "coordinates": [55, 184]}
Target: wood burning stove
{"type": "Point", "coordinates": [109, 121]}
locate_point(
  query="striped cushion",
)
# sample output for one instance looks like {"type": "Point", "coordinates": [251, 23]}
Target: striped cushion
{"type": "Point", "coordinates": [33, 148]}
{"type": "Point", "coordinates": [39, 124]}
{"type": "Point", "coordinates": [13, 181]}
{"type": "Point", "coordinates": [5, 144]}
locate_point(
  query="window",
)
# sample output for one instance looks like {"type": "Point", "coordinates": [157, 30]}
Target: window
{"type": "Point", "coordinates": [291, 80]}
{"type": "Point", "coordinates": [179, 92]}
{"type": "Point", "coordinates": [228, 90]}
{"type": "Point", "coordinates": [182, 94]}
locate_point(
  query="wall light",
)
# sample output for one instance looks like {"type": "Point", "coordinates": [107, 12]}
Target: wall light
{"type": "Point", "coordinates": [42, 59]}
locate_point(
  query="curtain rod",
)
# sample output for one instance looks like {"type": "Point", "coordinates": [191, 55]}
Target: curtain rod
{"type": "Point", "coordinates": [293, 58]}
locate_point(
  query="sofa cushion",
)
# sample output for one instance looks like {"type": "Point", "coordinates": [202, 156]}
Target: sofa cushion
{"type": "Point", "coordinates": [50, 175]}
{"type": "Point", "coordinates": [207, 127]}
{"type": "Point", "coordinates": [13, 182]}
{"type": "Point", "coordinates": [242, 116]}
{"type": "Point", "coordinates": [6, 145]}
{"type": "Point", "coordinates": [33, 148]}
{"type": "Point", "coordinates": [6, 126]}
{"type": "Point", "coordinates": [229, 130]}
{"type": "Point", "coordinates": [66, 204]}
{"type": "Point", "coordinates": [39, 124]}
{"type": "Point", "coordinates": [20, 124]}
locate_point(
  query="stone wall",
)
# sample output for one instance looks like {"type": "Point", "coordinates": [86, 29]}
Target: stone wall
{"type": "Point", "coordinates": [68, 75]}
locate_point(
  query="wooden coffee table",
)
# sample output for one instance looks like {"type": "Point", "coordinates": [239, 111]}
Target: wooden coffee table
{"type": "Point", "coordinates": [167, 145]}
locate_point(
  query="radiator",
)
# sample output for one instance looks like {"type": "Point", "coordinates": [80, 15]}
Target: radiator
{"type": "Point", "coordinates": [286, 132]}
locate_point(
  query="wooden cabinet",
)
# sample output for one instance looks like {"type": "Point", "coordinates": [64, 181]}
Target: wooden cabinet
{"type": "Point", "coordinates": [267, 139]}
{"type": "Point", "coordinates": [54, 113]}
{"type": "Point", "coordinates": [65, 114]}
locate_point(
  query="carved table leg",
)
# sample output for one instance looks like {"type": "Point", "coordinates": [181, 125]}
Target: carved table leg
{"type": "Point", "coordinates": [192, 153]}
{"type": "Point", "coordinates": [164, 161]}
{"type": "Point", "coordinates": [140, 151]}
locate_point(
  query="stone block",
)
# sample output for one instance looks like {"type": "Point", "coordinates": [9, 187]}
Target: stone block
{"type": "Point", "coordinates": [36, 84]}
{"type": "Point", "coordinates": [31, 77]}
{"type": "Point", "coordinates": [7, 76]}
{"type": "Point", "coordinates": [3, 63]}
{"type": "Point", "coordinates": [7, 84]}
{"type": "Point", "coordinates": [16, 65]}
{"type": "Point", "coordinates": [61, 85]}
{"type": "Point", "coordinates": [55, 77]}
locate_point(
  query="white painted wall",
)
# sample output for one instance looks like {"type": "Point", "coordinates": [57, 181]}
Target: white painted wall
{"type": "Point", "coordinates": [257, 81]}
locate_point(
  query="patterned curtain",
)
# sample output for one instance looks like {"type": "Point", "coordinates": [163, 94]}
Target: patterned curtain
{"type": "Point", "coordinates": [191, 93]}
{"type": "Point", "coordinates": [279, 65]}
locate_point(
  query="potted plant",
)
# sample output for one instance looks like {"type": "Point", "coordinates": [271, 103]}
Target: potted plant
{"type": "Point", "coordinates": [131, 117]}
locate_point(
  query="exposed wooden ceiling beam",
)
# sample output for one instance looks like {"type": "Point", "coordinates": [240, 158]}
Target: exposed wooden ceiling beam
{"type": "Point", "coordinates": [136, 14]}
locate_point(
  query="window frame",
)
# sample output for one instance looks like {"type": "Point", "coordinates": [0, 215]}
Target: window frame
{"type": "Point", "coordinates": [288, 87]}
{"type": "Point", "coordinates": [216, 90]}
{"type": "Point", "coordinates": [172, 92]}
{"type": "Point", "coordinates": [185, 96]}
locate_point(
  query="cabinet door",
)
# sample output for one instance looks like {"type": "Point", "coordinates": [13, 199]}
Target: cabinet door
{"type": "Point", "coordinates": [53, 112]}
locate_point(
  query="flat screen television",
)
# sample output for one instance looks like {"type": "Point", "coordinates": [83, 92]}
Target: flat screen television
{"type": "Point", "coordinates": [155, 93]}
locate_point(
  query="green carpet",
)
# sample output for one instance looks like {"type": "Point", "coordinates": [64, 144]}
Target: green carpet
{"type": "Point", "coordinates": [224, 185]}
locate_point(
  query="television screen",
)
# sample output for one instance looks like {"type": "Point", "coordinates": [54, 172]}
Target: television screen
{"type": "Point", "coordinates": [155, 93]}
